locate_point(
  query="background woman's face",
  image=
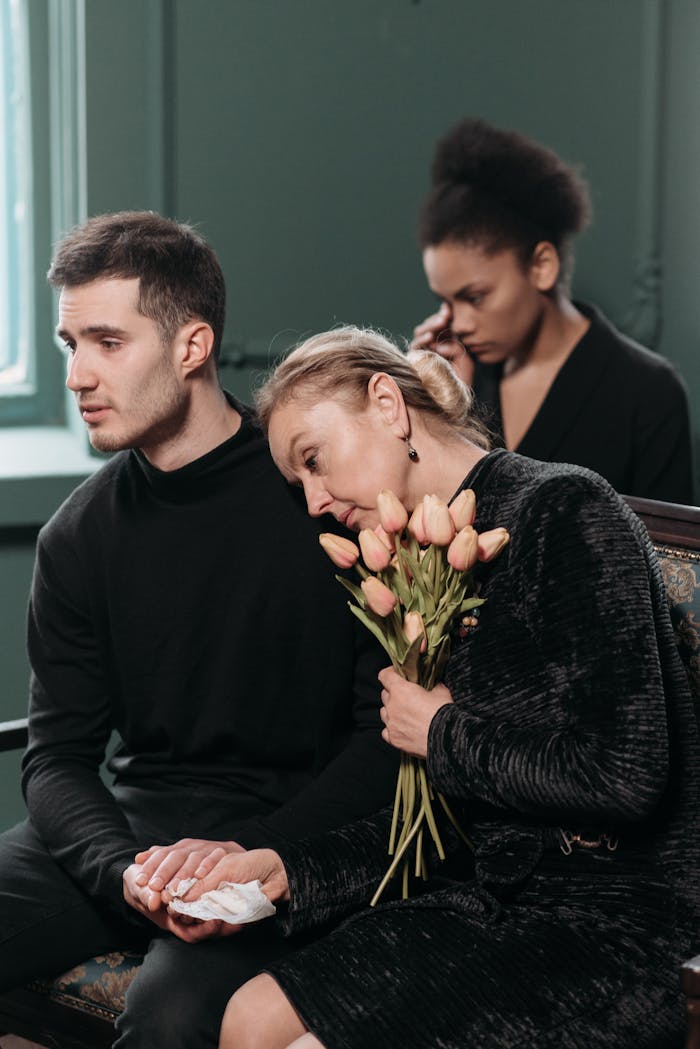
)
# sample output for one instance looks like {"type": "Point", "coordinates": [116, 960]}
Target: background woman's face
{"type": "Point", "coordinates": [496, 307]}
{"type": "Point", "coordinates": [341, 457]}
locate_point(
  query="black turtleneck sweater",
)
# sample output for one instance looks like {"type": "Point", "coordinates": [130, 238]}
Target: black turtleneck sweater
{"type": "Point", "coordinates": [195, 613]}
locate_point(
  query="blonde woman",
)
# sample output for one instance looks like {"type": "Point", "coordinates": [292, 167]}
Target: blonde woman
{"type": "Point", "coordinates": [563, 735]}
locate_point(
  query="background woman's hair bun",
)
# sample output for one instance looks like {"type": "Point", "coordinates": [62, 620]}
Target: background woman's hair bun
{"type": "Point", "coordinates": [509, 168]}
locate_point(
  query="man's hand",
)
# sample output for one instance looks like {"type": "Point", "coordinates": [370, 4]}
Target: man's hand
{"type": "Point", "coordinates": [150, 904]}
{"type": "Point", "coordinates": [142, 899]}
{"type": "Point", "coordinates": [166, 865]}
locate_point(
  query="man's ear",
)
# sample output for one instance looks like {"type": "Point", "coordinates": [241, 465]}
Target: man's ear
{"type": "Point", "coordinates": [386, 397]}
{"type": "Point", "coordinates": [545, 266]}
{"type": "Point", "coordinates": [195, 343]}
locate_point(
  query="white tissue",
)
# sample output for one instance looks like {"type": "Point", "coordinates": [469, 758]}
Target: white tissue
{"type": "Point", "coordinates": [229, 902]}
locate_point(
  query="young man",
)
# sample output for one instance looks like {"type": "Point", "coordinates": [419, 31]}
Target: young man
{"type": "Point", "coordinates": [180, 599]}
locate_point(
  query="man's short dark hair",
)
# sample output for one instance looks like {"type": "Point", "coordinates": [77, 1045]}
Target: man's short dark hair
{"type": "Point", "coordinates": [180, 278]}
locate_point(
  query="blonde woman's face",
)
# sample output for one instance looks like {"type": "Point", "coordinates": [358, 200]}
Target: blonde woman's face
{"type": "Point", "coordinates": [341, 457]}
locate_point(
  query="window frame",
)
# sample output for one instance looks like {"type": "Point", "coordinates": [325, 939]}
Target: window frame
{"type": "Point", "coordinates": [56, 72]}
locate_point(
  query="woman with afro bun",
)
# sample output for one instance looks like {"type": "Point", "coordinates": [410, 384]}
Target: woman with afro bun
{"type": "Point", "coordinates": [557, 381]}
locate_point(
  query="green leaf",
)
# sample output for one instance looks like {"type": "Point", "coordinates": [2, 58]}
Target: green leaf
{"type": "Point", "coordinates": [396, 581]}
{"type": "Point", "coordinates": [380, 635]}
{"type": "Point", "coordinates": [356, 591]}
{"type": "Point", "coordinates": [411, 660]}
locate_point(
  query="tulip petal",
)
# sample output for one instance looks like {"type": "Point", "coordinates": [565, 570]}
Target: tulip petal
{"type": "Point", "coordinates": [439, 526]}
{"type": "Point", "coordinates": [374, 552]}
{"type": "Point", "coordinates": [491, 543]}
{"type": "Point", "coordinates": [392, 513]}
{"type": "Point", "coordinates": [342, 552]}
{"type": "Point", "coordinates": [463, 508]}
{"type": "Point", "coordinates": [379, 597]}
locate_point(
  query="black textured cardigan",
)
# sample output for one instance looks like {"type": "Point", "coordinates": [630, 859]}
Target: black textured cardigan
{"type": "Point", "coordinates": [572, 712]}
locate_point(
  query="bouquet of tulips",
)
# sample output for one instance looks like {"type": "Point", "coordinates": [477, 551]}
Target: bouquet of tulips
{"type": "Point", "coordinates": [415, 580]}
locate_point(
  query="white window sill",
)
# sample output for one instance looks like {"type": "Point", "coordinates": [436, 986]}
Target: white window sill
{"type": "Point", "coordinates": [39, 467]}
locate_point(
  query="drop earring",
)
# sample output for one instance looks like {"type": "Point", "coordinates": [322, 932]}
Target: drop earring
{"type": "Point", "coordinates": [412, 453]}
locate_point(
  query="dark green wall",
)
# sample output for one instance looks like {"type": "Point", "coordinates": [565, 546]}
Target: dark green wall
{"type": "Point", "coordinates": [298, 135]}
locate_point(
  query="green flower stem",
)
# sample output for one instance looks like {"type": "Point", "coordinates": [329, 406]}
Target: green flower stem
{"type": "Point", "coordinates": [397, 858]}
{"type": "Point", "coordinates": [399, 560]}
{"type": "Point", "coordinates": [438, 567]}
{"type": "Point", "coordinates": [409, 797]}
{"type": "Point", "coordinates": [419, 853]}
{"type": "Point", "coordinates": [428, 810]}
{"type": "Point", "coordinates": [428, 585]}
{"type": "Point", "coordinates": [404, 879]}
{"type": "Point", "coordinates": [395, 814]}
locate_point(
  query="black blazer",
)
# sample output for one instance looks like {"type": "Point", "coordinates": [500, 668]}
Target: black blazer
{"type": "Point", "coordinates": [614, 407]}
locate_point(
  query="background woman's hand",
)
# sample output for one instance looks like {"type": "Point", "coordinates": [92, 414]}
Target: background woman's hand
{"type": "Point", "coordinates": [263, 865]}
{"type": "Point", "coordinates": [408, 710]}
{"type": "Point", "coordinates": [435, 333]}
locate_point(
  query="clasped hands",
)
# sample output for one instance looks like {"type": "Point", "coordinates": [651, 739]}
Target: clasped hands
{"type": "Point", "coordinates": [150, 881]}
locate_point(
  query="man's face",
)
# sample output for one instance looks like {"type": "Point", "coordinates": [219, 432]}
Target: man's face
{"type": "Point", "coordinates": [125, 380]}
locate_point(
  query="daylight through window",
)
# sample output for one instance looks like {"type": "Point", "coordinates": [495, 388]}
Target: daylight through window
{"type": "Point", "coordinates": [15, 198]}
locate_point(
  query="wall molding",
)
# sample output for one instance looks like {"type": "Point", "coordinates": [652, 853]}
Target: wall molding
{"type": "Point", "coordinates": [643, 320]}
{"type": "Point", "coordinates": [67, 112]}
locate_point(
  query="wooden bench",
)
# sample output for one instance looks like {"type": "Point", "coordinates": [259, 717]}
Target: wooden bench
{"type": "Point", "coordinates": [77, 1009]}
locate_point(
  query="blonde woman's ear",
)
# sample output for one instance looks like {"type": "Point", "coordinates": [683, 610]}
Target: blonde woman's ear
{"type": "Point", "coordinates": [386, 397]}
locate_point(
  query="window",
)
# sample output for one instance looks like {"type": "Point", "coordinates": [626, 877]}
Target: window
{"type": "Point", "coordinates": [16, 271]}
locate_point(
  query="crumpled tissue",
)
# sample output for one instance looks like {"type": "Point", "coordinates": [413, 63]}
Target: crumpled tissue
{"type": "Point", "coordinates": [230, 902]}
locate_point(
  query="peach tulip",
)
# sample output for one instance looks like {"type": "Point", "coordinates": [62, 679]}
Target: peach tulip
{"type": "Point", "coordinates": [463, 550]}
{"type": "Point", "coordinates": [393, 515]}
{"type": "Point", "coordinates": [374, 553]}
{"type": "Point", "coordinates": [387, 539]}
{"type": "Point", "coordinates": [463, 508]}
{"type": "Point", "coordinates": [341, 551]}
{"type": "Point", "coordinates": [439, 526]}
{"type": "Point", "coordinates": [413, 627]}
{"type": "Point", "coordinates": [416, 525]}
{"type": "Point", "coordinates": [379, 597]}
{"type": "Point", "coordinates": [491, 543]}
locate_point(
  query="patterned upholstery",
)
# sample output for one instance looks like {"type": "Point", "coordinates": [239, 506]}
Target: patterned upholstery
{"type": "Point", "coordinates": [77, 1009]}
{"type": "Point", "coordinates": [98, 986]}
{"type": "Point", "coordinates": [680, 569]}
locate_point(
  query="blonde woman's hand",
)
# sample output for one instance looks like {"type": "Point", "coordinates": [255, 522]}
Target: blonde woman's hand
{"type": "Point", "coordinates": [263, 865]}
{"type": "Point", "coordinates": [407, 711]}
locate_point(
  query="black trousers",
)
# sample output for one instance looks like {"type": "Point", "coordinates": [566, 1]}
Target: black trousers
{"type": "Point", "coordinates": [48, 924]}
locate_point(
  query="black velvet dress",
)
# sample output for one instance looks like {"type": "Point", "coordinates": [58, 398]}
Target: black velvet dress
{"type": "Point", "coordinates": [572, 717]}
